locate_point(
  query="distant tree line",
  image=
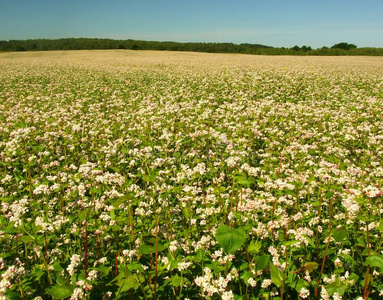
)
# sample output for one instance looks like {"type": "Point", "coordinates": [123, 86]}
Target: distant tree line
{"type": "Point", "coordinates": [96, 44]}
{"type": "Point", "coordinates": [245, 48]}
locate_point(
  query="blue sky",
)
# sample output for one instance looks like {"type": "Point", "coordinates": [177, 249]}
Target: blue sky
{"type": "Point", "coordinates": [270, 22]}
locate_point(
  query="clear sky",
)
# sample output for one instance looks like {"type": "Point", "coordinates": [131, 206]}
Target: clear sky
{"type": "Point", "coordinates": [278, 23]}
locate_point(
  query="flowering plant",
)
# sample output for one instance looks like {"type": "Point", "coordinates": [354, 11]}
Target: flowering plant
{"type": "Point", "coordinates": [158, 175]}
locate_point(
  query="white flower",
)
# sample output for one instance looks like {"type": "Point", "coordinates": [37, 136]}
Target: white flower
{"type": "Point", "coordinates": [336, 296]}
{"type": "Point", "coordinates": [266, 283]}
{"type": "Point", "coordinates": [252, 282]}
{"type": "Point", "coordinates": [107, 295]}
{"type": "Point", "coordinates": [304, 293]}
{"type": "Point", "coordinates": [78, 293]}
{"type": "Point", "coordinates": [227, 295]}
{"type": "Point", "coordinates": [75, 260]}
{"type": "Point", "coordinates": [338, 262]}
{"type": "Point", "coordinates": [173, 246]}
{"type": "Point", "coordinates": [92, 275]}
{"type": "Point", "coordinates": [184, 265]}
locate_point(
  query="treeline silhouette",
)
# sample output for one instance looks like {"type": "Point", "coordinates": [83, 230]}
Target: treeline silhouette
{"type": "Point", "coordinates": [245, 48]}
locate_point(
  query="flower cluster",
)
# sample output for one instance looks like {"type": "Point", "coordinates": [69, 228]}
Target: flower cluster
{"type": "Point", "coordinates": [118, 169]}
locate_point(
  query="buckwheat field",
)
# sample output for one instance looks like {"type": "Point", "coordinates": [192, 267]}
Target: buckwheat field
{"type": "Point", "coordinates": [169, 175]}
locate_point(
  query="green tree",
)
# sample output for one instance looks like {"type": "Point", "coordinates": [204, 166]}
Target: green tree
{"type": "Point", "coordinates": [344, 46]}
{"type": "Point", "coordinates": [296, 48]}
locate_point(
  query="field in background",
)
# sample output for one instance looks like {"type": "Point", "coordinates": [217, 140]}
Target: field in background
{"type": "Point", "coordinates": [179, 175]}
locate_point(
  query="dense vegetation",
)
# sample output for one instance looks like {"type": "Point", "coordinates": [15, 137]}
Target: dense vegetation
{"type": "Point", "coordinates": [92, 44]}
{"type": "Point", "coordinates": [245, 48]}
{"type": "Point", "coordinates": [152, 175]}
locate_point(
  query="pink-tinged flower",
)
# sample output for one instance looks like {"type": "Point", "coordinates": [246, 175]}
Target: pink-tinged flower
{"type": "Point", "coordinates": [266, 283]}
{"type": "Point", "coordinates": [304, 293]}
{"type": "Point", "coordinates": [372, 192]}
{"type": "Point", "coordinates": [336, 296]}
{"type": "Point", "coordinates": [324, 294]}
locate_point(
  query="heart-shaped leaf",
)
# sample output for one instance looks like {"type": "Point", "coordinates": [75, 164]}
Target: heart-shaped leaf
{"type": "Point", "coordinates": [60, 291]}
{"type": "Point", "coordinates": [254, 247]}
{"type": "Point", "coordinates": [375, 261]}
{"type": "Point", "coordinates": [129, 283]}
{"type": "Point", "coordinates": [230, 239]}
{"type": "Point", "coordinates": [149, 249]}
{"type": "Point", "coordinates": [340, 235]}
{"type": "Point", "coordinates": [276, 275]}
{"type": "Point", "coordinates": [176, 281]}
{"type": "Point", "coordinates": [310, 266]}
{"type": "Point", "coordinates": [262, 261]}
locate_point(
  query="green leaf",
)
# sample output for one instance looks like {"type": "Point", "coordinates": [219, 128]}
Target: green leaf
{"type": "Point", "coordinates": [310, 266]}
{"type": "Point", "coordinates": [380, 227]}
{"type": "Point", "coordinates": [129, 283]}
{"type": "Point", "coordinates": [61, 281]}
{"type": "Point", "coordinates": [375, 261]}
{"type": "Point", "coordinates": [289, 192]}
{"type": "Point", "coordinates": [199, 256]}
{"type": "Point", "coordinates": [82, 215]}
{"type": "Point", "coordinates": [27, 239]}
{"type": "Point", "coordinates": [13, 296]}
{"type": "Point", "coordinates": [262, 261]}
{"type": "Point", "coordinates": [365, 218]}
{"type": "Point", "coordinates": [118, 279]}
{"type": "Point", "coordinates": [246, 275]}
{"type": "Point", "coordinates": [254, 247]}
{"type": "Point", "coordinates": [161, 247]}
{"type": "Point", "coordinates": [149, 249]}
{"type": "Point", "coordinates": [291, 242]}
{"type": "Point", "coordinates": [134, 267]}
{"type": "Point", "coordinates": [37, 272]}
{"type": "Point", "coordinates": [300, 284]}
{"type": "Point", "coordinates": [244, 181]}
{"type": "Point", "coordinates": [60, 292]}
{"type": "Point", "coordinates": [10, 230]}
{"type": "Point", "coordinates": [119, 201]}
{"type": "Point", "coordinates": [115, 228]}
{"type": "Point", "coordinates": [149, 178]}
{"type": "Point", "coordinates": [104, 270]}
{"type": "Point", "coordinates": [173, 264]}
{"type": "Point", "coordinates": [328, 195]}
{"type": "Point", "coordinates": [336, 287]}
{"type": "Point", "coordinates": [340, 235]}
{"type": "Point", "coordinates": [230, 239]}
{"type": "Point", "coordinates": [185, 212]}
{"type": "Point", "coordinates": [352, 279]}
{"type": "Point", "coordinates": [57, 266]}
{"type": "Point", "coordinates": [276, 276]}
{"type": "Point", "coordinates": [112, 215]}
{"type": "Point", "coordinates": [176, 280]}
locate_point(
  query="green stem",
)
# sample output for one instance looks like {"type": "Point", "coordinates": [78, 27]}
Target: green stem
{"type": "Point", "coordinates": [21, 290]}
{"type": "Point", "coordinates": [182, 280]}
{"type": "Point", "coordinates": [325, 251]}
{"type": "Point", "coordinates": [142, 289]}
{"type": "Point", "coordinates": [156, 262]}
{"type": "Point", "coordinates": [367, 277]}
